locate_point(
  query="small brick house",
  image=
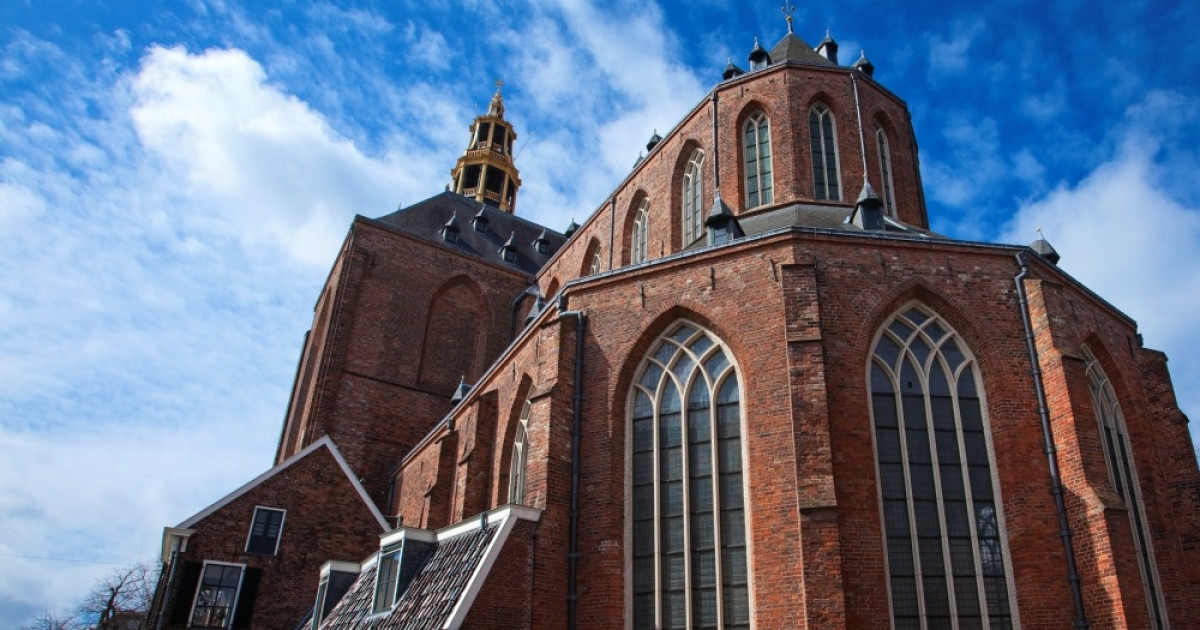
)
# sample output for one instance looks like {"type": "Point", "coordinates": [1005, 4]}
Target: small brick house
{"type": "Point", "coordinates": [752, 390]}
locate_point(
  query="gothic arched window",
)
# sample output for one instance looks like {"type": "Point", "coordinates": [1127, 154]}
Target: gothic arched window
{"type": "Point", "coordinates": [941, 521]}
{"type": "Point", "coordinates": [822, 133]}
{"type": "Point", "coordinates": [641, 233]}
{"type": "Point", "coordinates": [757, 150]}
{"type": "Point", "coordinates": [687, 509]}
{"type": "Point", "coordinates": [693, 196]}
{"type": "Point", "coordinates": [885, 169]}
{"type": "Point", "coordinates": [1114, 441]}
{"type": "Point", "coordinates": [519, 459]}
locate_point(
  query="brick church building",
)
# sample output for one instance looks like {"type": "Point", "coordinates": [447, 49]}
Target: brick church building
{"type": "Point", "coordinates": [752, 390]}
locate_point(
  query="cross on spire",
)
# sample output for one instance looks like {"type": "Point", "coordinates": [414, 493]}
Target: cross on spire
{"type": "Point", "coordinates": [787, 14]}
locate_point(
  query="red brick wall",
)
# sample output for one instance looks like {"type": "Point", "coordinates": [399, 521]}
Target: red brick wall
{"type": "Point", "coordinates": [326, 520]}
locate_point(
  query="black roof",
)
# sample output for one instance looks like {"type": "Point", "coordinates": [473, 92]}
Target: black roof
{"type": "Point", "coordinates": [792, 48]}
{"type": "Point", "coordinates": [428, 220]}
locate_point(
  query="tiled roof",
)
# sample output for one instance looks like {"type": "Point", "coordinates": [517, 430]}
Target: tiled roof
{"type": "Point", "coordinates": [792, 48]}
{"type": "Point", "coordinates": [427, 219]}
{"type": "Point", "coordinates": [430, 598]}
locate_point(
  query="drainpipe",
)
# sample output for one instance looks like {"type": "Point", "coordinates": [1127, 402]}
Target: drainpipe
{"type": "Point", "coordinates": [862, 143]}
{"type": "Point", "coordinates": [170, 576]}
{"type": "Point", "coordinates": [1064, 527]}
{"type": "Point", "coordinates": [576, 428]}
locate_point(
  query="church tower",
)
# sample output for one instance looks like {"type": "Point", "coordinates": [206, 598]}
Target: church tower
{"type": "Point", "coordinates": [486, 170]}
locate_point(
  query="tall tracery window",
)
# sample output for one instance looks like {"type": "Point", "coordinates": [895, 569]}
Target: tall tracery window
{"type": "Point", "coordinates": [520, 459]}
{"type": "Point", "coordinates": [693, 195]}
{"type": "Point", "coordinates": [1122, 474]}
{"type": "Point", "coordinates": [945, 552]}
{"type": "Point", "coordinates": [823, 136]}
{"type": "Point", "coordinates": [641, 234]}
{"type": "Point", "coordinates": [885, 169]}
{"type": "Point", "coordinates": [757, 150]}
{"type": "Point", "coordinates": [688, 512]}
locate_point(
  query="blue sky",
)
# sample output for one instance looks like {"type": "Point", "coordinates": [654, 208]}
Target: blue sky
{"type": "Point", "coordinates": [176, 176]}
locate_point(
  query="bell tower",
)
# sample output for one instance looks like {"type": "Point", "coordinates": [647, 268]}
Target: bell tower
{"type": "Point", "coordinates": [486, 170]}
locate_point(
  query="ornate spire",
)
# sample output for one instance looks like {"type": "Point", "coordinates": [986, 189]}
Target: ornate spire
{"type": "Point", "coordinates": [486, 171]}
{"type": "Point", "coordinates": [787, 15]}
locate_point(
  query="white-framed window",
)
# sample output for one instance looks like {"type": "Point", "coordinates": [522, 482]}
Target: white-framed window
{"type": "Point", "coordinates": [756, 145]}
{"type": "Point", "coordinates": [945, 549]}
{"type": "Point", "coordinates": [693, 198]}
{"type": "Point", "coordinates": [641, 234]}
{"type": "Point", "coordinates": [885, 170]}
{"type": "Point", "coordinates": [687, 494]}
{"type": "Point", "coordinates": [519, 459]}
{"type": "Point", "coordinates": [319, 608]}
{"type": "Point", "coordinates": [265, 531]}
{"type": "Point", "coordinates": [822, 132]}
{"type": "Point", "coordinates": [216, 595]}
{"type": "Point", "coordinates": [1118, 456]}
{"type": "Point", "coordinates": [387, 577]}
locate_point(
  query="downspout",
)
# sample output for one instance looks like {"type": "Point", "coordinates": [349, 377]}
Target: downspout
{"type": "Point", "coordinates": [716, 152]}
{"type": "Point", "coordinates": [576, 428]}
{"type": "Point", "coordinates": [862, 143]}
{"type": "Point", "coordinates": [1064, 526]}
{"type": "Point", "coordinates": [170, 576]}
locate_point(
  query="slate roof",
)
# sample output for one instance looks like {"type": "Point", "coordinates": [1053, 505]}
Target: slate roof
{"type": "Point", "coordinates": [430, 598]}
{"type": "Point", "coordinates": [816, 216]}
{"type": "Point", "coordinates": [427, 220]}
{"type": "Point", "coordinates": [792, 48]}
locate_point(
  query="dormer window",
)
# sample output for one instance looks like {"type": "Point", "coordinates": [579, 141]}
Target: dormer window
{"type": "Point", "coordinates": [480, 222]}
{"type": "Point", "coordinates": [450, 230]}
{"type": "Point", "coordinates": [386, 577]}
{"type": "Point", "coordinates": [265, 531]}
{"type": "Point", "coordinates": [540, 244]}
{"type": "Point", "coordinates": [508, 251]}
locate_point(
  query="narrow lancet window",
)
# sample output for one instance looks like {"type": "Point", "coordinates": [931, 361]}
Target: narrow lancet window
{"type": "Point", "coordinates": [519, 459]}
{"type": "Point", "coordinates": [885, 169]}
{"type": "Point", "coordinates": [756, 147]}
{"type": "Point", "coordinates": [823, 137]}
{"type": "Point", "coordinates": [693, 199]}
{"type": "Point", "coordinates": [641, 232]}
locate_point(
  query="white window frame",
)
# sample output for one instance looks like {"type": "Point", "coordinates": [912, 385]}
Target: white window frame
{"type": "Point", "coordinates": [641, 234]}
{"type": "Point", "coordinates": [967, 363]}
{"type": "Point", "coordinates": [823, 143]}
{"type": "Point", "coordinates": [390, 550]}
{"type": "Point", "coordinates": [237, 593]}
{"type": "Point", "coordinates": [715, 383]}
{"type": "Point", "coordinates": [597, 263]}
{"type": "Point", "coordinates": [758, 193]}
{"type": "Point", "coordinates": [693, 198]}
{"type": "Point", "coordinates": [278, 537]}
{"type": "Point", "coordinates": [885, 170]}
{"type": "Point", "coordinates": [1123, 475]}
{"type": "Point", "coordinates": [519, 459]}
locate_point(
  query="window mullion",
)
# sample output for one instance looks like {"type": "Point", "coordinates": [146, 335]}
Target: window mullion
{"type": "Point", "coordinates": [685, 476]}
{"type": "Point", "coordinates": [939, 496]}
{"type": "Point", "coordinates": [713, 436]}
{"type": "Point", "coordinates": [902, 426]}
{"type": "Point", "coordinates": [656, 528]}
{"type": "Point", "coordinates": [969, 492]}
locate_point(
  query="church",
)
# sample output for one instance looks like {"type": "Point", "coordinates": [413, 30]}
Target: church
{"type": "Point", "coordinates": [751, 390]}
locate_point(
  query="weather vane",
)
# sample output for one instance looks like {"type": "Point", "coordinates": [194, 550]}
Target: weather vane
{"type": "Point", "coordinates": [787, 14]}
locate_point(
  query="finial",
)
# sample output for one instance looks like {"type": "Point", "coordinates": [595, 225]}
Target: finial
{"type": "Point", "coordinates": [787, 14]}
{"type": "Point", "coordinates": [1039, 231]}
{"type": "Point", "coordinates": [499, 84]}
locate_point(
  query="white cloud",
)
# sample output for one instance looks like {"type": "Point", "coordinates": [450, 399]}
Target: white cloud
{"type": "Point", "coordinates": [1122, 233]}
{"type": "Point", "coordinates": [948, 54]}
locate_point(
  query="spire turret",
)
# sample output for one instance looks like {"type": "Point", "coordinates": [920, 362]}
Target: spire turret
{"type": "Point", "coordinates": [486, 170]}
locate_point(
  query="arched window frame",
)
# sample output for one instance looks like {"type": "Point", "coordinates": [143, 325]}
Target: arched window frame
{"type": "Point", "coordinates": [597, 264]}
{"type": "Point", "coordinates": [756, 158]}
{"type": "Point", "coordinates": [641, 232]}
{"type": "Point", "coordinates": [885, 170]}
{"type": "Point", "coordinates": [822, 131]}
{"type": "Point", "coordinates": [1122, 474]}
{"type": "Point", "coordinates": [693, 198]}
{"type": "Point", "coordinates": [678, 531]}
{"type": "Point", "coordinates": [939, 497]}
{"type": "Point", "coordinates": [519, 459]}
